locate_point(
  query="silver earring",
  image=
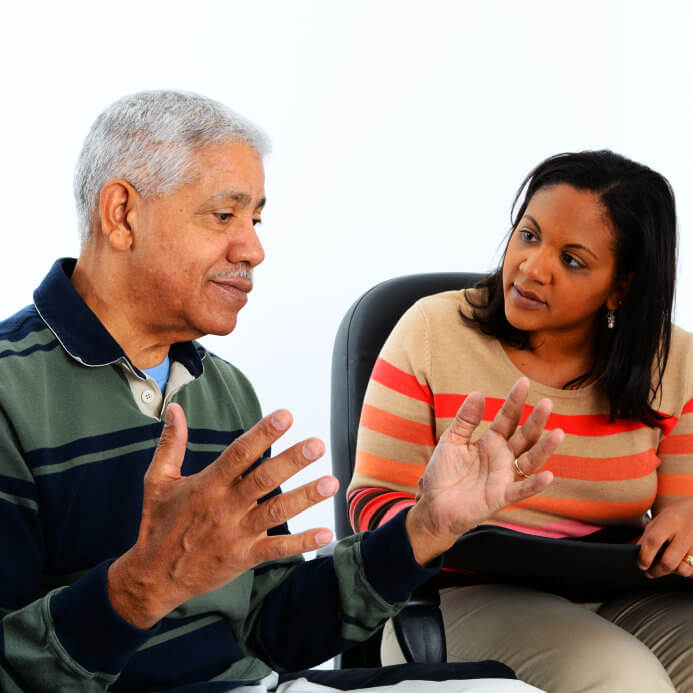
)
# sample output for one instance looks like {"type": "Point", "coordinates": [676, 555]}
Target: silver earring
{"type": "Point", "coordinates": [611, 319]}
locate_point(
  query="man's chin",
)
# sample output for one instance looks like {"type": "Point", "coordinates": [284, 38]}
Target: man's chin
{"type": "Point", "coordinates": [219, 327]}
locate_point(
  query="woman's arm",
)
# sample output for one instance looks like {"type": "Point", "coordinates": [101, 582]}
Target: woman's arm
{"type": "Point", "coordinates": [673, 507]}
{"type": "Point", "coordinates": [397, 433]}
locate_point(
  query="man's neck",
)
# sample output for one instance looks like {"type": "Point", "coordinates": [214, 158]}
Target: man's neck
{"type": "Point", "coordinates": [104, 290]}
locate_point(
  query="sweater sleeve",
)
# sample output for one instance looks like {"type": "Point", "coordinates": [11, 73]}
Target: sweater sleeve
{"type": "Point", "coordinates": [69, 639]}
{"type": "Point", "coordinates": [675, 473]}
{"type": "Point", "coordinates": [397, 433]}
{"type": "Point", "coordinates": [303, 613]}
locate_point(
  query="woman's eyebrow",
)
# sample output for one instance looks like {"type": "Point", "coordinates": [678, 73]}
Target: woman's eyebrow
{"type": "Point", "coordinates": [576, 246]}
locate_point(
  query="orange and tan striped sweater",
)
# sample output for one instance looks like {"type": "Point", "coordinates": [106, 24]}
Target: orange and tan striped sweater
{"type": "Point", "coordinates": [605, 473]}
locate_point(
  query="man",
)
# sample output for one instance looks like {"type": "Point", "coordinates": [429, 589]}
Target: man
{"type": "Point", "coordinates": [125, 575]}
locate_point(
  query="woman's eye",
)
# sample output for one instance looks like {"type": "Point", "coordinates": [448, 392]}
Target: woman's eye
{"type": "Point", "coordinates": [526, 236]}
{"type": "Point", "coordinates": [570, 261]}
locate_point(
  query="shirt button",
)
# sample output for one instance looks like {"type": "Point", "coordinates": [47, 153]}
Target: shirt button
{"type": "Point", "coordinates": [147, 396]}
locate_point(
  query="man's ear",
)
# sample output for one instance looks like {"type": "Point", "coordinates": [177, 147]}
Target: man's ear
{"type": "Point", "coordinates": [117, 209]}
{"type": "Point", "coordinates": [618, 293]}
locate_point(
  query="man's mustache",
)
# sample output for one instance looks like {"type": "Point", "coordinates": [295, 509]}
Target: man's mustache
{"type": "Point", "coordinates": [240, 270]}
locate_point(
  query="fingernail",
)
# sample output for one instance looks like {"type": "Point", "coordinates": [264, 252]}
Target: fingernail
{"type": "Point", "coordinates": [168, 419]}
{"type": "Point", "coordinates": [326, 487]}
{"type": "Point", "coordinates": [281, 420]}
{"type": "Point", "coordinates": [312, 449]}
{"type": "Point", "coordinates": [323, 537]}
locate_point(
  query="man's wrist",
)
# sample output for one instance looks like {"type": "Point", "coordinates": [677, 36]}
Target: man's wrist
{"type": "Point", "coordinates": [427, 543]}
{"type": "Point", "coordinates": [132, 596]}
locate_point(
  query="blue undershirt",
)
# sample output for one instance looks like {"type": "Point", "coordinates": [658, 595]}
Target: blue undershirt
{"type": "Point", "coordinates": [159, 373]}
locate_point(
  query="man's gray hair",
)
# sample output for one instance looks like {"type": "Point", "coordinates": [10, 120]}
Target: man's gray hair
{"type": "Point", "coordinates": [148, 139]}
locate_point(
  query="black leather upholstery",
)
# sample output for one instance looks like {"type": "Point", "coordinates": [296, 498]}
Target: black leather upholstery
{"type": "Point", "coordinates": [361, 334]}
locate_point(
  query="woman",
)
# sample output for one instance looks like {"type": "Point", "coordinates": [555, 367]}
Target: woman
{"type": "Point", "coordinates": [582, 305]}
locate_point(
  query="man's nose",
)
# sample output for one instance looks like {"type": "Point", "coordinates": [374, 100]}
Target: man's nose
{"type": "Point", "coordinates": [245, 246]}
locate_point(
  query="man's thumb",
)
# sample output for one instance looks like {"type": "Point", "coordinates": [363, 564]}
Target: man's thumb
{"type": "Point", "coordinates": [467, 419]}
{"type": "Point", "coordinates": [168, 458]}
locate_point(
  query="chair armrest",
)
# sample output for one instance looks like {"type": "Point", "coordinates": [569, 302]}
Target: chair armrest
{"type": "Point", "coordinates": [419, 627]}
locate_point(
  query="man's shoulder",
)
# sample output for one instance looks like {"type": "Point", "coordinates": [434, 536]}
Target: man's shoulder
{"type": "Point", "coordinates": [224, 382]}
{"type": "Point", "coordinates": [218, 367]}
{"type": "Point", "coordinates": [25, 333]}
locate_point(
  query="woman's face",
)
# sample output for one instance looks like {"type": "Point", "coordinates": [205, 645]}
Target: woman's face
{"type": "Point", "coordinates": [559, 265]}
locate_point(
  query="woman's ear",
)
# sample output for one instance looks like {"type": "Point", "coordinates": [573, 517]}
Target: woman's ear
{"type": "Point", "coordinates": [117, 205]}
{"type": "Point", "coordinates": [618, 293]}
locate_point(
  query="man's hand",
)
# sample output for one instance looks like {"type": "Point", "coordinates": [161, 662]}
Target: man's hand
{"type": "Point", "coordinates": [199, 532]}
{"type": "Point", "coordinates": [466, 483]}
{"type": "Point", "coordinates": [673, 524]}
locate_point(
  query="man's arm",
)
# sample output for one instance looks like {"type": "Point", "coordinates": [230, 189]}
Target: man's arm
{"type": "Point", "coordinates": [374, 573]}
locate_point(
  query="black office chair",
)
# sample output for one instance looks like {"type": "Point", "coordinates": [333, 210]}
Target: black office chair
{"type": "Point", "coordinates": [591, 569]}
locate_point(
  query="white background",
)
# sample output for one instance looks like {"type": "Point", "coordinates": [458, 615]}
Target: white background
{"type": "Point", "coordinates": [400, 132]}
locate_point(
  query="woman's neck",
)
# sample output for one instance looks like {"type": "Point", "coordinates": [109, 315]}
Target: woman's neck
{"type": "Point", "coordinates": [554, 360]}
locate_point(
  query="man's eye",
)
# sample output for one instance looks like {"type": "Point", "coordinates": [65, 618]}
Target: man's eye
{"type": "Point", "coordinates": [257, 221]}
{"type": "Point", "coordinates": [223, 216]}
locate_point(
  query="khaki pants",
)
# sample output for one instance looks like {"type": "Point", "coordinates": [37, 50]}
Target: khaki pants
{"type": "Point", "coordinates": [639, 643]}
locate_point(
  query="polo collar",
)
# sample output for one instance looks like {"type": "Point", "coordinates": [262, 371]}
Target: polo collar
{"type": "Point", "coordinates": [82, 334]}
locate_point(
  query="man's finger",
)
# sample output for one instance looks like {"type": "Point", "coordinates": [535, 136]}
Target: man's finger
{"type": "Point", "coordinates": [529, 433]}
{"type": "Point", "coordinates": [466, 420]}
{"type": "Point", "coordinates": [535, 458]}
{"type": "Point", "coordinates": [250, 446]}
{"type": "Point", "coordinates": [506, 420]}
{"type": "Point", "coordinates": [274, 472]}
{"type": "Point", "coordinates": [285, 506]}
{"type": "Point", "coordinates": [280, 546]}
{"type": "Point", "coordinates": [170, 451]}
{"type": "Point", "coordinates": [526, 488]}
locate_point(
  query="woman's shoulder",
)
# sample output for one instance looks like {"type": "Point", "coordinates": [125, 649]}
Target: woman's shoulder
{"type": "Point", "coordinates": [449, 305]}
{"type": "Point", "coordinates": [441, 318]}
{"type": "Point", "coordinates": [677, 380]}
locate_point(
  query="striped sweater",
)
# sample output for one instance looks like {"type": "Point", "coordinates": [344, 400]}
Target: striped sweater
{"type": "Point", "coordinates": [605, 473]}
{"type": "Point", "coordinates": [77, 433]}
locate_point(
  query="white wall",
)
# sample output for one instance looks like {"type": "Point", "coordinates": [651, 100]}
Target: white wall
{"type": "Point", "coordinates": [401, 131]}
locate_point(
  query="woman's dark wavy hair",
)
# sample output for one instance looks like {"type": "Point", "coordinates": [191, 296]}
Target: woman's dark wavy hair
{"type": "Point", "coordinates": [630, 359]}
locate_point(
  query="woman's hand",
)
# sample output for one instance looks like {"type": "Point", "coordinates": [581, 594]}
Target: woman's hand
{"type": "Point", "coordinates": [673, 524]}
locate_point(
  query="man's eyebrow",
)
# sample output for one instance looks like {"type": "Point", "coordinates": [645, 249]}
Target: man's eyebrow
{"type": "Point", "coordinates": [234, 195]}
{"type": "Point", "coordinates": [577, 246]}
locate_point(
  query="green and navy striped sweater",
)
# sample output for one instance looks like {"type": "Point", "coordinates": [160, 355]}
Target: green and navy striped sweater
{"type": "Point", "coordinates": [74, 447]}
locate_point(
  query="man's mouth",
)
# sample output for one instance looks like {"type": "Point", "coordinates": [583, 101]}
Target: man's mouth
{"type": "Point", "coordinates": [236, 288]}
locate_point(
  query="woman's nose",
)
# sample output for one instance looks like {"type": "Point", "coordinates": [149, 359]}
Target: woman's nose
{"type": "Point", "coordinates": [537, 266]}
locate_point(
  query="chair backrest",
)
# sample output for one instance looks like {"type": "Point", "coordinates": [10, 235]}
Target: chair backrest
{"type": "Point", "coordinates": [360, 337]}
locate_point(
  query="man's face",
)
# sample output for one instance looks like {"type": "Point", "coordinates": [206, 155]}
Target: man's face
{"type": "Point", "coordinates": [195, 249]}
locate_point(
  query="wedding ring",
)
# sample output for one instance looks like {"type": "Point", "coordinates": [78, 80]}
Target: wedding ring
{"type": "Point", "coordinates": [516, 464]}
{"type": "Point", "coordinates": [688, 559]}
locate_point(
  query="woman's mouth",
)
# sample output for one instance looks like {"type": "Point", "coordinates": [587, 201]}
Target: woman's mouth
{"type": "Point", "coordinates": [525, 299]}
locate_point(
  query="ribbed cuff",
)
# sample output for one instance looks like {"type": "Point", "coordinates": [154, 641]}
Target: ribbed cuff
{"type": "Point", "coordinates": [88, 627]}
{"type": "Point", "coordinates": [389, 561]}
